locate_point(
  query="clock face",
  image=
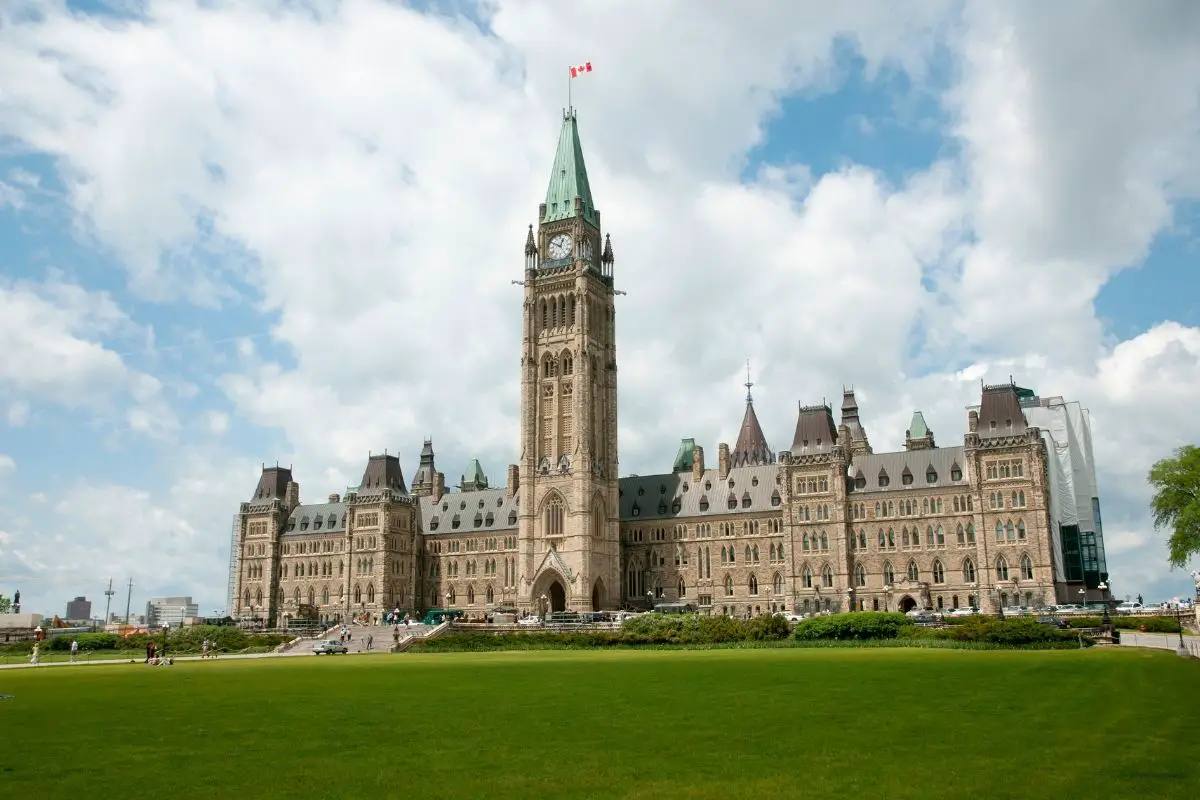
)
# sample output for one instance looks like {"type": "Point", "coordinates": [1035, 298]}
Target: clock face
{"type": "Point", "coordinates": [560, 247]}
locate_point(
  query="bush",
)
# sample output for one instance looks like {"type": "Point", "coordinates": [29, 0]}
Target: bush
{"type": "Point", "coordinates": [855, 625]}
{"type": "Point", "coordinates": [1152, 624]}
{"type": "Point", "coordinates": [1013, 631]}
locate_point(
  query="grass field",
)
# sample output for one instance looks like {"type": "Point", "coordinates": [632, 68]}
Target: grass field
{"type": "Point", "coordinates": [697, 724]}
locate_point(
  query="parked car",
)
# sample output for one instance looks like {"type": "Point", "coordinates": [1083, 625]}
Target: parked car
{"type": "Point", "coordinates": [1128, 608]}
{"type": "Point", "coordinates": [530, 622]}
{"type": "Point", "coordinates": [965, 611]}
{"type": "Point", "coordinates": [329, 647]}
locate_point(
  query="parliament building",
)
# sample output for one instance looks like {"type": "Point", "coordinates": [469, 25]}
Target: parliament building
{"type": "Point", "coordinates": [1009, 516]}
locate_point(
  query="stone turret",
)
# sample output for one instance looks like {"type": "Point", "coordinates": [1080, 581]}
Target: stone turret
{"type": "Point", "coordinates": [697, 464]}
{"type": "Point", "coordinates": [513, 481]}
{"type": "Point", "coordinates": [722, 461]}
{"type": "Point", "coordinates": [918, 436]}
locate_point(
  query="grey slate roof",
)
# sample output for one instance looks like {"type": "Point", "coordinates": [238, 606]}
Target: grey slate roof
{"type": "Point", "coordinates": [382, 472]}
{"type": "Point", "coordinates": [474, 510]}
{"type": "Point", "coordinates": [649, 497]}
{"type": "Point", "coordinates": [1000, 412]}
{"type": "Point", "coordinates": [815, 431]}
{"type": "Point", "coordinates": [272, 484]}
{"type": "Point", "coordinates": [917, 462]}
{"type": "Point", "coordinates": [310, 514]}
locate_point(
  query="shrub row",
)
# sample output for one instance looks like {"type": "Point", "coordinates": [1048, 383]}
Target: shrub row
{"type": "Point", "coordinates": [179, 640]}
{"type": "Point", "coordinates": [1152, 624]}
{"type": "Point", "coordinates": [877, 626]}
{"type": "Point", "coordinates": [647, 630]}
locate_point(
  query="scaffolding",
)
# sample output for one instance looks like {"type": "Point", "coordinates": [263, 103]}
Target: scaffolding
{"type": "Point", "coordinates": [231, 589]}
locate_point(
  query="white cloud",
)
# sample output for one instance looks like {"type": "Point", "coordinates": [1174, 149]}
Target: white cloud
{"type": "Point", "coordinates": [218, 423]}
{"type": "Point", "coordinates": [7, 465]}
{"type": "Point", "coordinates": [384, 181]}
{"type": "Point", "coordinates": [18, 413]}
{"type": "Point", "coordinates": [51, 334]}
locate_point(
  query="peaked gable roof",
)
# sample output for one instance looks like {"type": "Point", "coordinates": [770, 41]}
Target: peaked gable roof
{"type": "Point", "coordinates": [1000, 412]}
{"type": "Point", "coordinates": [751, 447]}
{"type": "Point", "coordinates": [917, 429]}
{"type": "Point", "coordinates": [568, 177]}
{"type": "Point", "coordinates": [815, 431]}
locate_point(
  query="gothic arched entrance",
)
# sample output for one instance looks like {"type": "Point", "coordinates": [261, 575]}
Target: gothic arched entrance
{"type": "Point", "coordinates": [598, 595]}
{"type": "Point", "coordinates": [558, 597]}
{"type": "Point", "coordinates": [907, 604]}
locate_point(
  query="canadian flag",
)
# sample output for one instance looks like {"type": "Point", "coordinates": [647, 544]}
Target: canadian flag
{"type": "Point", "coordinates": [582, 68]}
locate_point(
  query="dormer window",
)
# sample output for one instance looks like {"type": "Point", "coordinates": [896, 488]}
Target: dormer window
{"type": "Point", "coordinates": [462, 505]}
{"type": "Point", "coordinates": [662, 506]}
{"type": "Point", "coordinates": [931, 475]}
{"type": "Point", "coordinates": [433, 523]}
{"type": "Point", "coordinates": [676, 506]}
{"type": "Point", "coordinates": [317, 522]}
{"type": "Point", "coordinates": [707, 485]}
{"type": "Point", "coordinates": [992, 424]}
{"type": "Point", "coordinates": [731, 503]}
{"type": "Point", "coordinates": [478, 520]}
{"type": "Point", "coordinates": [445, 507]}
{"type": "Point", "coordinates": [331, 522]}
{"type": "Point", "coordinates": [512, 518]}
{"type": "Point", "coordinates": [754, 481]}
{"type": "Point", "coordinates": [489, 519]}
{"type": "Point", "coordinates": [955, 473]}
{"type": "Point", "coordinates": [883, 479]}
{"type": "Point", "coordinates": [906, 477]}
{"type": "Point", "coordinates": [1008, 424]}
{"type": "Point", "coordinates": [731, 483]}
{"type": "Point", "coordinates": [455, 522]}
{"type": "Point", "coordinates": [304, 523]}
{"type": "Point", "coordinates": [704, 502]}
{"type": "Point", "coordinates": [636, 510]}
{"type": "Point", "coordinates": [860, 482]}
{"type": "Point", "coordinates": [746, 500]}
{"type": "Point", "coordinates": [662, 488]}
{"type": "Point", "coordinates": [775, 498]}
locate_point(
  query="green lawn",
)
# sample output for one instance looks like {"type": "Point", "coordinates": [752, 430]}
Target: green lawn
{"type": "Point", "coordinates": [715, 723]}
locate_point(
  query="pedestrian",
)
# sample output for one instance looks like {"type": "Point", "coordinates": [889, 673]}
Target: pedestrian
{"type": "Point", "coordinates": [1139, 599]}
{"type": "Point", "coordinates": [370, 640]}
{"type": "Point", "coordinates": [33, 657]}
{"type": "Point", "coordinates": [74, 650]}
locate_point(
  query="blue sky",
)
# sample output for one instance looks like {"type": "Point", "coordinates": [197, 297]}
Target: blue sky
{"type": "Point", "coordinates": [203, 269]}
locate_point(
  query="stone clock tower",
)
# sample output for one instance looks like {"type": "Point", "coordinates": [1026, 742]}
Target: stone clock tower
{"type": "Point", "coordinates": [568, 529]}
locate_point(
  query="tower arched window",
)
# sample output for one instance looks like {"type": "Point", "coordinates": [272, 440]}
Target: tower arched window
{"type": "Point", "coordinates": [826, 576]}
{"type": "Point", "coordinates": [1001, 568]}
{"type": "Point", "coordinates": [554, 517]}
{"type": "Point", "coordinates": [1026, 568]}
{"type": "Point", "coordinates": [914, 574]}
{"type": "Point", "coordinates": [777, 584]}
{"type": "Point", "coordinates": [960, 535]}
{"type": "Point", "coordinates": [806, 577]}
{"type": "Point", "coordinates": [939, 573]}
{"type": "Point", "coordinates": [728, 586]}
{"type": "Point", "coordinates": [860, 575]}
{"type": "Point", "coordinates": [753, 585]}
{"type": "Point", "coordinates": [968, 571]}
{"type": "Point", "coordinates": [889, 574]}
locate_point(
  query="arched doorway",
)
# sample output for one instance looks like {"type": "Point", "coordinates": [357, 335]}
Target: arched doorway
{"type": "Point", "coordinates": [558, 597]}
{"type": "Point", "coordinates": [907, 604]}
{"type": "Point", "coordinates": [598, 595]}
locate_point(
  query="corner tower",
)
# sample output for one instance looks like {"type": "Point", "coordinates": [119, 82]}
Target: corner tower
{"type": "Point", "coordinates": [568, 525]}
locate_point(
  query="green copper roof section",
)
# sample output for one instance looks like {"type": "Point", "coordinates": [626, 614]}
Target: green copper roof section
{"type": "Point", "coordinates": [568, 178]}
{"type": "Point", "coordinates": [917, 429]}
{"type": "Point", "coordinates": [474, 479]}
{"type": "Point", "coordinates": [683, 459]}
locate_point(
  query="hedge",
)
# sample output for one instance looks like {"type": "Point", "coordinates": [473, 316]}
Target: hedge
{"type": "Point", "coordinates": [646, 630]}
{"type": "Point", "coordinates": [1012, 631]}
{"type": "Point", "coordinates": [179, 640]}
{"type": "Point", "coordinates": [1152, 624]}
{"type": "Point", "coordinates": [855, 625]}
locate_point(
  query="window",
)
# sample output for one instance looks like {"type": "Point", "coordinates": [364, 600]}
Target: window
{"type": "Point", "coordinates": [860, 575]}
{"type": "Point", "coordinates": [913, 573]}
{"type": "Point", "coordinates": [968, 572]}
{"type": "Point", "coordinates": [883, 479]}
{"type": "Point", "coordinates": [753, 585]}
{"type": "Point", "coordinates": [777, 584]}
{"type": "Point", "coordinates": [806, 577]}
{"type": "Point", "coordinates": [826, 576]}
{"type": "Point", "coordinates": [1009, 533]}
{"type": "Point", "coordinates": [1026, 568]}
{"type": "Point", "coordinates": [955, 473]}
{"type": "Point", "coordinates": [931, 475]}
{"type": "Point", "coordinates": [1001, 569]}
{"type": "Point", "coordinates": [939, 573]}
{"type": "Point", "coordinates": [728, 586]}
{"type": "Point", "coordinates": [1021, 530]}
{"type": "Point", "coordinates": [889, 575]}
{"type": "Point", "coordinates": [906, 477]}
{"type": "Point", "coordinates": [554, 517]}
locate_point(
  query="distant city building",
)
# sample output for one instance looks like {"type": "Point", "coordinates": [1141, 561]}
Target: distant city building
{"type": "Point", "coordinates": [170, 611]}
{"type": "Point", "coordinates": [79, 609]}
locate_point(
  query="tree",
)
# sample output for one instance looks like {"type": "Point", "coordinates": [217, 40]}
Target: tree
{"type": "Point", "coordinates": [5, 604]}
{"type": "Point", "coordinates": [1176, 502]}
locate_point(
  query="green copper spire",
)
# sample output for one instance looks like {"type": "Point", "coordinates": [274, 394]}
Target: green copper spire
{"type": "Point", "coordinates": [568, 178]}
{"type": "Point", "coordinates": [917, 429]}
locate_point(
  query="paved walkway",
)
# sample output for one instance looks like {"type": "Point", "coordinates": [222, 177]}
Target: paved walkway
{"type": "Point", "coordinates": [1161, 641]}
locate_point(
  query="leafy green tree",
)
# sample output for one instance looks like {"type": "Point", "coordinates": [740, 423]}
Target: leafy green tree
{"type": "Point", "coordinates": [5, 605]}
{"type": "Point", "coordinates": [1176, 502]}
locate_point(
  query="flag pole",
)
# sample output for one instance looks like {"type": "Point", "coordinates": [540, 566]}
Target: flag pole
{"type": "Point", "coordinates": [569, 108]}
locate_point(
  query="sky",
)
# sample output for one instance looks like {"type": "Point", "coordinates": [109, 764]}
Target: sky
{"type": "Point", "coordinates": [236, 233]}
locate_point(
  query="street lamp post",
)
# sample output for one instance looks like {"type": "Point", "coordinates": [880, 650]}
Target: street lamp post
{"type": "Point", "coordinates": [650, 599]}
{"type": "Point", "coordinates": [166, 629]}
{"type": "Point", "coordinates": [849, 598]}
{"type": "Point", "coordinates": [887, 597]}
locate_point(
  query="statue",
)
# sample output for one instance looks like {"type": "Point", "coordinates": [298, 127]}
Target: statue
{"type": "Point", "coordinates": [16, 602]}
{"type": "Point", "coordinates": [1195, 579]}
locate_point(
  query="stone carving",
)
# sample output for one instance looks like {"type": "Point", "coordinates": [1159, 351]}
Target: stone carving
{"type": "Point", "coordinates": [564, 464]}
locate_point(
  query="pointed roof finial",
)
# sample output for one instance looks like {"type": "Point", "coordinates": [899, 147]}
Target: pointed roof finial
{"type": "Point", "coordinates": [530, 244]}
{"type": "Point", "coordinates": [749, 383]}
{"type": "Point", "coordinates": [607, 256]}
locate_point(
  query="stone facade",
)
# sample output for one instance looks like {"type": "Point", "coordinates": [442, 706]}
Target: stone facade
{"type": "Point", "coordinates": [825, 525]}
